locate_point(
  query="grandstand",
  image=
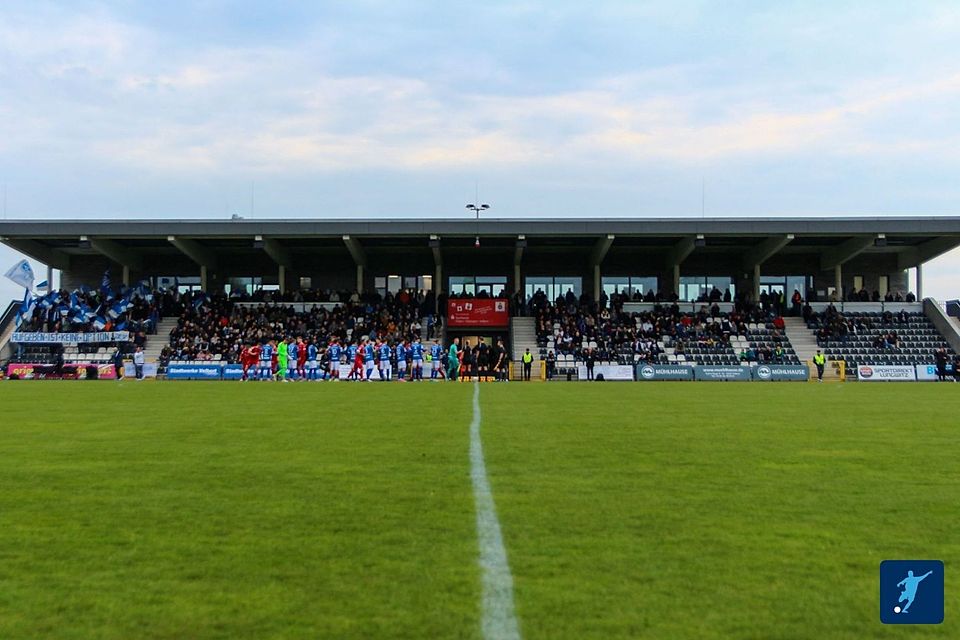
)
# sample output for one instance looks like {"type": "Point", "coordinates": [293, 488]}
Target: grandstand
{"type": "Point", "coordinates": [707, 292]}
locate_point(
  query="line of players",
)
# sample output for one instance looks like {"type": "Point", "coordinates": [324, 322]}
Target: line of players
{"type": "Point", "coordinates": [299, 359]}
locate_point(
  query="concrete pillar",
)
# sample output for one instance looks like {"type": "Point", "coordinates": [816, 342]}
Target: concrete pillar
{"type": "Point", "coordinates": [126, 276]}
{"type": "Point", "coordinates": [203, 277]}
{"type": "Point", "coordinates": [596, 283]}
{"type": "Point", "coordinates": [919, 282]}
{"type": "Point", "coordinates": [676, 279]}
{"type": "Point", "coordinates": [838, 281]}
{"type": "Point", "coordinates": [282, 278]}
{"type": "Point", "coordinates": [359, 278]}
{"type": "Point", "coordinates": [49, 278]}
{"type": "Point", "coordinates": [437, 288]}
{"type": "Point", "coordinates": [756, 282]}
{"type": "Point", "coordinates": [517, 284]}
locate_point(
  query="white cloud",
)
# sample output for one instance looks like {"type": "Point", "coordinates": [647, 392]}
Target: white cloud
{"type": "Point", "coordinates": [761, 99]}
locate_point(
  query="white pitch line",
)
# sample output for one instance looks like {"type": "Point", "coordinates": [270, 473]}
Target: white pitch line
{"type": "Point", "coordinates": [499, 622]}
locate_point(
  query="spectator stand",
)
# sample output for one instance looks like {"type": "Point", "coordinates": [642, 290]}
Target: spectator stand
{"type": "Point", "coordinates": [876, 334]}
{"type": "Point", "coordinates": [686, 334]}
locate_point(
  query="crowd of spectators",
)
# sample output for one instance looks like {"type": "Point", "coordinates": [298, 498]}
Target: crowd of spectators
{"type": "Point", "coordinates": [891, 296]}
{"type": "Point", "coordinates": [832, 325]}
{"type": "Point", "coordinates": [85, 310]}
{"type": "Point", "coordinates": [217, 328]}
{"type": "Point", "coordinates": [573, 325]}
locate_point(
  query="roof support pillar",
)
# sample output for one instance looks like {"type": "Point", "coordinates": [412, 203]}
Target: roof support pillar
{"type": "Point", "coordinates": [195, 251]}
{"type": "Point", "coordinates": [437, 288]}
{"type": "Point", "coordinates": [845, 251]}
{"type": "Point", "coordinates": [356, 250]}
{"type": "Point", "coordinates": [600, 249]}
{"type": "Point", "coordinates": [206, 259]}
{"type": "Point", "coordinates": [679, 252]}
{"type": "Point", "coordinates": [596, 283]}
{"type": "Point", "coordinates": [117, 253]}
{"type": "Point", "coordinates": [282, 278]}
{"type": "Point", "coordinates": [927, 251]}
{"type": "Point", "coordinates": [517, 259]}
{"type": "Point", "coordinates": [275, 249]}
{"type": "Point", "coordinates": [599, 252]}
{"type": "Point", "coordinates": [765, 250]}
{"type": "Point", "coordinates": [359, 258]}
{"type": "Point", "coordinates": [756, 283]}
{"type": "Point", "coordinates": [838, 282]}
{"type": "Point", "coordinates": [438, 271]}
{"type": "Point", "coordinates": [920, 282]}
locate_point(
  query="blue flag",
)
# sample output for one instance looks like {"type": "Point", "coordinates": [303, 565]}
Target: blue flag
{"type": "Point", "coordinates": [22, 274]}
{"type": "Point", "coordinates": [118, 309]}
{"type": "Point", "coordinates": [26, 307]}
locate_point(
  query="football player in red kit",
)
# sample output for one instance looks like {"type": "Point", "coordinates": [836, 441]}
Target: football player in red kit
{"type": "Point", "coordinates": [301, 359]}
{"type": "Point", "coordinates": [249, 358]}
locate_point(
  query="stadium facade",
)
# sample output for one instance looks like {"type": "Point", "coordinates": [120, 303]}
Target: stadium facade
{"type": "Point", "coordinates": [681, 255]}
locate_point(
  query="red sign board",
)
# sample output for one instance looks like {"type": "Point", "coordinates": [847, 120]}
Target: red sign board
{"type": "Point", "coordinates": [478, 312]}
{"type": "Point", "coordinates": [29, 371]}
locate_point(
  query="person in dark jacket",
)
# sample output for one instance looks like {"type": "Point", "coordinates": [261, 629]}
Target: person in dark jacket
{"type": "Point", "coordinates": [940, 357]}
{"type": "Point", "coordinates": [118, 363]}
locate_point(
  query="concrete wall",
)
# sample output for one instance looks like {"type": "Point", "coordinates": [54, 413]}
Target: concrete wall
{"type": "Point", "coordinates": [943, 323]}
{"type": "Point", "coordinates": [88, 270]}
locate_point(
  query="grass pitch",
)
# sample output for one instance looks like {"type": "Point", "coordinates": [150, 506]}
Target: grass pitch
{"type": "Point", "coordinates": [648, 510]}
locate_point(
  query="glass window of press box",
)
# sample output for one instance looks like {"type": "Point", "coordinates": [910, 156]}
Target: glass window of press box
{"type": "Point", "coordinates": [693, 288]}
{"type": "Point", "coordinates": [785, 285]}
{"type": "Point", "coordinates": [629, 285]}
{"type": "Point", "coordinates": [393, 283]}
{"type": "Point", "coordinates": [492, 286]}
{"type": "Point", "coordinates": [553, 286]}
{"type": "Point", "coordinates": [246, 285]}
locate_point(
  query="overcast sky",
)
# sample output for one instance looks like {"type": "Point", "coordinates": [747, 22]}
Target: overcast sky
{"type": "Point", "coordinates": [375, 109]}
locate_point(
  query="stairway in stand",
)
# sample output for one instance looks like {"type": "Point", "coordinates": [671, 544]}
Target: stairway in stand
{"type": "Point", "coordinates": [156, 343]}
{"type": "Point", "coordinates": [523, 336]}
{"type": "Point", "coordinates": [804, 343]}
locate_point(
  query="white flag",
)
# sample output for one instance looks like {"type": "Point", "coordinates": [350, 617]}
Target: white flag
{"type": "Point", "coordinates": [22, 274]}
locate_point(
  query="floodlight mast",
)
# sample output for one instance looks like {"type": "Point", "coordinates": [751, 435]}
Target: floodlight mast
{"type": "Point", "coordinates": [477, 207]}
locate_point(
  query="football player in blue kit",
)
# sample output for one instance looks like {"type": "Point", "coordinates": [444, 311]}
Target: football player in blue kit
{"type": "Point", "coordinates": [417, 352]}
{"type": "Point", "coordinates": [436, 360]}
{"type": "Point", "coordinates": [401, 351]}
{"type": "Point", "coordinates": [384, 353]}
{"type": "Point", "coordinates": [292, 349]}
{"type": "Point", "coordinates": [368, 358]}
{"type": "Point", "coordinates": [312, 364]}
{"type": "Point", "coordinates": [334, 351]}
{"type": "Point", "coordinates": [266, 361]}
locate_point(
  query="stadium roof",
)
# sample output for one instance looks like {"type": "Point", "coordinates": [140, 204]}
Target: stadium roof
{"type": "Point", "coordinates": [913, 239]}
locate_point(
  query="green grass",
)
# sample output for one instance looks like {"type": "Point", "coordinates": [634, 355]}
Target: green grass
{"type": "Point", "coordinates": [649, 510]}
